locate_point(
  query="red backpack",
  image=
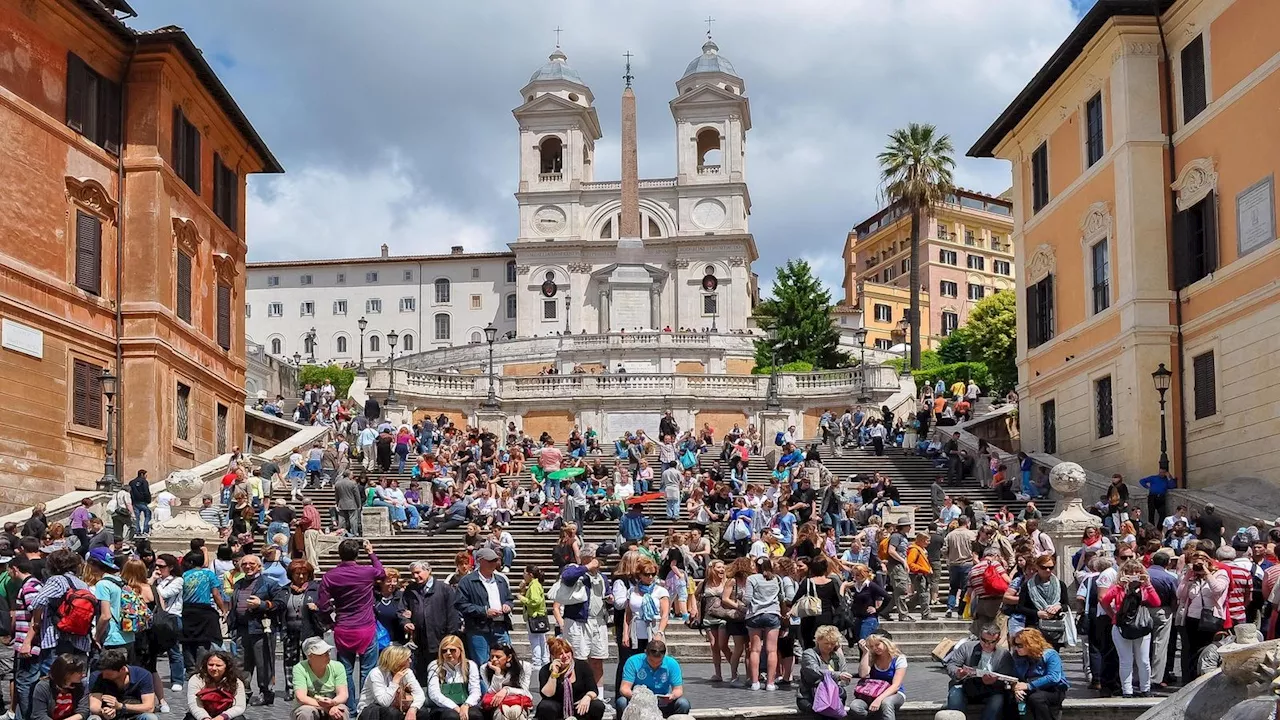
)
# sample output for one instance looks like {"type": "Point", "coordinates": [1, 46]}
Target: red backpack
{"type": "Point", "coordinates": [77, 611]}
{"type": "Point", "coordinates": [993, 583]}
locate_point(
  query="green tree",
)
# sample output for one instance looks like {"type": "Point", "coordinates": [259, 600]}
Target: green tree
{"type": "Point", "coordinates": [992, 332]}
{"type": "Point", "coordinates": [957, 347]}
{"type": "Point", "coordinates": [915, 169]}
{"type": "Point", "coordinates": [316, 375]}
{"type": "Point", "coordinates": [800, 309]}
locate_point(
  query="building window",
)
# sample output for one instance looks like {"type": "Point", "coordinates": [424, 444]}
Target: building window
{"type": "Point", "coordinates": [276, 346]}
{"type": "Point", "coordinates": [305, 280]}
{"type": "Point", "coordinates": [710, 304]}
{"type": "Point", "coordinates": [248, 311]}
{"type": "Point", "coordinates": [275, 309]}
{"type": "Point", "coordinates": [1195, 242]}
{"type": "Point", "coordinates": [511, 307]}
{"type": "Point", "coordinates": [183, 281]}
{"type": "Point", "coordinates": [906, 266]}
{"type": "Point", "coordinates": [408, 276]}
{"type": "Point", "coordinates": [948, 257]}
{"type": "Point", "coordinates": [341, 278]}
{"type": "Point", "coordinates": [220, 440]}
{"type": "Point", "coordinates": [976, 262]}
{"type": "Point", "coordinates": [948, 289]}
{"type": "Point", "coordinates": [182, 411]}
{"type": "Point", "coordinates": [889, 274]}
{"type": "Point", "coordinates": [226, 191]}
{"type": "Point", "coordinates": [371, 277]}
{"type": "Point", "coordinates": [442, 291]}
{"type": "Point", "coordinates": [942, 231]}
{"type": "Point", "coordinates": [476, 338]}
{"type": "Point", "coordinates": [511, 271]}
{"type": "Point", "coordinates": [1093, 129]}
{"type": "Point", "coordinates": [549, 309]}
{"type": "Point", "coordinates": [1195, 95]}
{"type": "Point", "coordinates": [883, 343]}
{"type": "Point", "coordinates": [307, 309]}
{"type": "Point", "coordinates": [995, 243]}
{"type": "Point", "coordinates": [442, 326]}
{"type": "Point", "coordinates": [1204, 385]}
{"type": "Point", "coordinates": [1040, 177]}
{"type": "Point", "coordinates": [373, 306]}
{"type": "Point", "coordinates": [883, 313]}
{"type": "Point", "coordinates": [1040, 312]}
{"type": "Point", "coordinates": [408, 304]}
{"type": "Point", "coordinates": [375, 344]}
{"type": "Point", "coordinates": [224, 316]}
{"type": "Point", "coordinates": [475, 273]}
{"type": "Point", "coordinates": [1105, 409]}
{"type": "Point", "coordinates": [977, 292]}
{"type": "Point", "coordinates": [93, 105]}
{"type": "Point", "coordinates": [1101, 265]}
{"type": "Point", "coordinates": [476, 302]}
{"type": "Point", "coordinates": [186, 150]}
{"type": "Point", "coordinates": [86, 394]}
{"type": "Point", "coordinates": [950, 321]}
{"type": "Point", "coordinates": [88, 253]}
{"type": "Point", "coordinates": [339, 307]}
{"type": "Point", "coordinates": [1001, 267]}
{"type": "Point", "coordinates": [341, 345]}
{"type": "Point", "coordinates": [406, 342]}
{"type": "Point", "coordinates": [273, 280]}
{"type": "Point", "coordinates": [969, 238]}
{"type": "Point", "coordinates": [1049, 427]}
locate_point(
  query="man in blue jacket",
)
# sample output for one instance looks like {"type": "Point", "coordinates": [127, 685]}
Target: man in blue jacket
{"type": "Point", "coordinates": [484, 602]}
{"type": "Point", "coordinates": [632, 525]}
{"type": "Point", "coordinates": [254, 600]}
{"type": "Point", "coordinates": [1157, 487]}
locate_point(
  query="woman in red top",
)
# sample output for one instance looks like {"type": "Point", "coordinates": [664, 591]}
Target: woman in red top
{"type": "Point", "coordinates": [1136, 648]}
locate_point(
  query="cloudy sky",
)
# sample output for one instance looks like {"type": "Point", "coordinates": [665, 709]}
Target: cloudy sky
{"type": "Point", "coordinates": [393, 117]}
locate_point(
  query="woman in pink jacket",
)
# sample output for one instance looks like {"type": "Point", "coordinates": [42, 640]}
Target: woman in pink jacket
{"type": "Point", "coordinates": [1128, 602]}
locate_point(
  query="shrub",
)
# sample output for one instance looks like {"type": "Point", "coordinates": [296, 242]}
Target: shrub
{"type": "Point", "coordinates": [798, 366]}
{"type": "Point", "coordinates": [952, 372]}
{"type": "Point", "coordinates": [317, 374]}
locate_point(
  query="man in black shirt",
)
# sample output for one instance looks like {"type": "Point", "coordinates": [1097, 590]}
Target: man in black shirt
{"type": "Point", "coordinates": [955, 465]}
{"type": "Point", "coordinates": [719, 506]}
{"type": "Point", "coordinates": [802, 501]}
{"type": "Point", "coordinates": [1209, 525]}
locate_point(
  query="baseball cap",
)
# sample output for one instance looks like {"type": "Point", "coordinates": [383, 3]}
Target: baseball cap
{"type": "Point", "coordinates": [487, 554]}
{"type": "Point", "coordinates": [316, 646]}
{"type": "Point", "coordinates": [104, 557]}
{"type": "Point", "coordinates": [588, 551]}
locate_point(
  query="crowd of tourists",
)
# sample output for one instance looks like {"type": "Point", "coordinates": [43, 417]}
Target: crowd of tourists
{"type": "Point", "coordinates": [771, 562]}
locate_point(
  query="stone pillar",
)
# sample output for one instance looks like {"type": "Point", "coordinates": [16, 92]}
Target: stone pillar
{"type": "Point", "coordinates": [655, 307]}
{"type": "Point", "coordinates": [603, 309]}
{"type": "Point", "coordinates": [772, 422]}
{"type": "Point", "coordinates": [1067, 525]}
{"type": "Point", "coordinates": [494, 421]}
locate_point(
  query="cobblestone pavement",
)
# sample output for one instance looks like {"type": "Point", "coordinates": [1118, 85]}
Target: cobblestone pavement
{"type": "Point", "coordinates": [924, 682]}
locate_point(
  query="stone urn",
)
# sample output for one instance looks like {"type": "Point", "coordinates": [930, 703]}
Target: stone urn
{"type": "Point", "coordinates": [186, 522]}
{"type": "Point", "coordinates": [1070, 520]}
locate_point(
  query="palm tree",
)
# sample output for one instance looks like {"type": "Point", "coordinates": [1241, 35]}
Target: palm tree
{"type": "Point", "coordinates": [915, 169]}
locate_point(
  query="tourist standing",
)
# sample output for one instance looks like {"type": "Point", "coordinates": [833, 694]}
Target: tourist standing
{"type": "Point", "coordinates": [347, 591]}
{"type": "Point", "coordinates": [249, 615]}
{"type": "Point", "coordinates": [484, 602]}
{"type": "Point", "coordinates": [140, 495]}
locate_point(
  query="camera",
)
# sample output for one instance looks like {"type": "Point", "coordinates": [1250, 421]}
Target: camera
{"type": "Point", "coordinates": [1198, 567]}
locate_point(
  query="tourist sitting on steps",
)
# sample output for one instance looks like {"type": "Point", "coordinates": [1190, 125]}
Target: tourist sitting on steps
{"type": "Point", "coordinates": [567, 686]}
{"type": "Point", "coordinates": [216, 690]}
{"type": "Point", "coordinates": [453, 682]}
{"type": "Point", "coordinates": [319, 684]}
{"type": "Point", "coordinates": [1041, 683]}
{"type": "Point", "coordinates": [969, 665]}
{"type": "Point", "coordinates": [660, 673]}
{"type": "Point", "coordinates": [824, 657]}
{"type": "Point", "coordinates": [391, 691]}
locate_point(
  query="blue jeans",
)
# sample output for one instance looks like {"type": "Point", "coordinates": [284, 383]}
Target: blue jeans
{"type": "Point", "coordinates": [277, 528]}
{"type": "Point", "coordinates": [478, 643]}
{"type": "Point", "coordinates": [1026, 482]}
{"type": "Point", "coordinates": [177, 666]}
{"type": "Point", "coordinates": [992, 705]}
{"type": "Point", "coordinates": [673, 508]}
{"type": "Point", "coordinates": [831, 520]}
{"type": "Point", "coordinates": [508, 556]}
{"type": "Point", "coordinates": [140, 511]}
{"type": "Point", "coordinates": [846, 527]}
{"type": "Point", "coordinates": [364, 663]}
{"type": "Point", "coordinates": [25, 676]}
{"type": "Point", "coordinates": [414, 516]}
{"type": "Point", "coordinates": [642, 486]}
{"type": "Point", "coordinates": [867, 625]}
{"type": "Point", "coordinates": [679, 706]}
{"type": "Point", "coordinates": [397, 514]}
{"type": "Point", "coordinates": [959, 582]}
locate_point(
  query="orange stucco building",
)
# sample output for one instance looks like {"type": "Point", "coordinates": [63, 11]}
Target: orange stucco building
{"type": "Point", "coordinates": [123, 161]}
{"type": "Point", "coordinates": [1144, 157]}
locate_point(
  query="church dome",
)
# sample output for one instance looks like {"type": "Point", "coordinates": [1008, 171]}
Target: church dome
{"type": "Point", "coordinates": [710, 61]}
{"type": "Point", "coordinates": [557, 68]}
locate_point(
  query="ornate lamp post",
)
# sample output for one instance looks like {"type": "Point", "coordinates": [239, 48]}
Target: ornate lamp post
{"type": "Point", "coordinates": [311, 345]}
{"type": "Point", "coordinates": [490, 335]}
{"type": "Point", "coordinates": [109, 480]}
{"type": "Point", "coordinates": [771, 401]}
{"type": "Point", "coordinates": [1161, 377]}
{"type": "Point", "coordinates": [362, 324]}
{"type": "Point", "coordinates": [861, 336]}
{"type": "Point", "coordinates": [905, 326]}
{"type": "Point", "coordinates": [392, 337]}
{"type": "Point", "coordinates": [297, 359]}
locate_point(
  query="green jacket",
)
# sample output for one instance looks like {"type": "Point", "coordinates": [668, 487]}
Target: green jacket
{"type": "Point", "coordinates": [534, 600]}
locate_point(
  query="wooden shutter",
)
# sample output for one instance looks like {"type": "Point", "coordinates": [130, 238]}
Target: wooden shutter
{"type": "Point", "coordinates": [1046, 313]}
{"type": "Point", "coordinates": [86, 397]}
{"type": "Point", "coordinates": [193, 157]}
{"type": "Point", "coordinates": [1206, 392]}
{"type": "Point", "coordinates": [88, 253]}
{"type": "Point", "coordinates": [77, 80]}
{"type": "Point", "coordinates": [224, 316]}
{"type": "Point", "coordinates": [184, 286]}
{"type": "Point", "coordinates": [108, 116]}
{"type": "Point", "coordinates": [1194, 91]}
{"type": "Point", "coordinates": [1209, 229]}
{"type": "Point", "coordinates": [1181, 249]}
{"type": "Point", "coordinates": [179, 144]}
{"type": "Point", "coordinates": [1033, 316]}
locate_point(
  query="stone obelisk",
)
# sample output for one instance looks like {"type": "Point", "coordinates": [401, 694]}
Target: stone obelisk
{"type": "Point", "coordinates": [633, 303]}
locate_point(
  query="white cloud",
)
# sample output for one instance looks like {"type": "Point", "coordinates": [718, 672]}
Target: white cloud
{"type": "Point", "coordinates": [324, 212]}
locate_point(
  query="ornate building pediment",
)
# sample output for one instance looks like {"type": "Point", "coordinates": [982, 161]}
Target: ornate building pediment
{"type": "Point", "coordinates": [90, 194]}
{"type": "Point", "coordinates": [225, 267]}
{"type": "Point", "coordinates": [1043, 263]}
{"type": "Point", "coordinates": [1197, 179]}
{"type": "Point", "coordinates": [187, 236]}
{"type": "Point", "coordinates": [1096, 223]}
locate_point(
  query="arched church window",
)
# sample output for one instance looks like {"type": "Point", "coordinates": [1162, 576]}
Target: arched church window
{"type": "Point", "coordinates": [406, 341]}
{"type": "Point", "coordinates": [511, 271]}
{"type": "Point", "coordinates": [442, 290]}
{"type": "Point", "coordinates": [606, 230]}
{"type": "Point", "coordinates": [276, 346]}
{"type": "Point", "coordinates": [341, 345]}
{"type": "Point", "coordinates": [654, 230]}
{"type": "Point", "coordinates": [551, 150]}
{"type": "Point", "coordinates": [442, 327]}
{"type": "Point", "coordinates": [511, 306]}
{"type": "Point", "coordinates": [709, 148]}
{"type": "Point", "coordinates": [375, 345]}
{"type": "Point", "coordinates": [475, 337]}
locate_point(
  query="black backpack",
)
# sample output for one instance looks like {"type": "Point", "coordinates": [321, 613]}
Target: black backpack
{"type": "Point", "coordinates": [1133, 618]}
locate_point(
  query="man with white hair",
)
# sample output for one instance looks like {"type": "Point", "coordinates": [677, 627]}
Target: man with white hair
{"type": "Point", "coordinates": [585, 623]}
{"type": "Point", "coordinates": [432, 615]}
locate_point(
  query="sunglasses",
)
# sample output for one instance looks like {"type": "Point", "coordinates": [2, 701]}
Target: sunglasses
{"type": "Point", "coordinates": [989, 642]}
{"type": "Point", "coordinates": [161, 566]}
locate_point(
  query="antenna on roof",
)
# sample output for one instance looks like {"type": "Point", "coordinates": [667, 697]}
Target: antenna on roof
{"type": "Point", "coordinates": [628, 77]}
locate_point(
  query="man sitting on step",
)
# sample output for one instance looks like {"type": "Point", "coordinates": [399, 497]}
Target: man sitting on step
{"type": "Point", "coordinates": [970, 665]}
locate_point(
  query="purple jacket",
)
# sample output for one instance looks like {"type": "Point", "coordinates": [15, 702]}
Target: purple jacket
{"type": "Point", "coordinates": [347, 590]}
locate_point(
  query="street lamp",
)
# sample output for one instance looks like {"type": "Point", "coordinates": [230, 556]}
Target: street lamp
{"type": "Point", "coordinates": [108, 383]}
{"type": "Point", "coordinates": [392, 337]}
{"type": "Point", "coordinates": [490, 335]}
{"type": "Point", "coordinates": [311, 345]}
{"type": "Point", "coordinates": [861, 336]}
{"type": "Point", "coordinates": [362, 323]}
{"type": "Point", "coordinates": [1161, 377]}
{"type": "Point", "coordinates": [297, 359]}
{"type": "Point", "coordinates": [771, 400]}
{"type": "Point", "coordinates": [905, 326]}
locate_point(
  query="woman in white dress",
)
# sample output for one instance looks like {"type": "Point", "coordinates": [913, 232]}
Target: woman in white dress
{"type": "Point", "coordinates": [165, 501]}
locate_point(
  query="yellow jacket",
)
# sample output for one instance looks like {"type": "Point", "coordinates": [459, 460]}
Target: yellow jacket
{"type": "Point", "coordinates": [918, 561]}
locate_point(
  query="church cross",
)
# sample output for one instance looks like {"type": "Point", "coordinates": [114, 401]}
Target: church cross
{"type": "Point", "coordinates": [708, 21]}
{"type": "Point", "coordinates": [628, 77]}
{"type": "Point", "coordinates": [558, 31]}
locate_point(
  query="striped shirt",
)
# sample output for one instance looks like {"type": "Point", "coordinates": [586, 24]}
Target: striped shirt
{"type": "Point", "coordinates": [22, 609]}
{"type": "Point", "coordinates": [54, 589]}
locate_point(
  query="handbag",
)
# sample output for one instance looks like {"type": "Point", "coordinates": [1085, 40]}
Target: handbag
{"type": "Point", "coordinates": [869, 689]}
{"type": "Point", "coordinates": [826, 698]}
{"type": "Point", "coordinates": [1070, 637]}
{"type": "Point", "coordinates": [810, 605]}
{"type": "Point", "coordinates": [539, 624]}
{"type": "Point", "coordinates": [1210, 622]}
{"type": "Point", "coordinates": [576, 595]}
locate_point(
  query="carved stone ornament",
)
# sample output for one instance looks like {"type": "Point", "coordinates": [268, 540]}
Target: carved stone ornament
{"type": "Point", "coordinates": [522, 269]}
{"type": "Point", "coordinates": [579, 267]}
{"type": "Point", "coordinates": [1197, 179]}
{"type": "Point", "coordinates": [681, 263]}
{"type": "Point", "coordinates": [1097, 222]}
{"type": "Point", "coordinates": [737, 261]}
{"type": "Point", "coordinates": [187, 236]}
{"type": "Point", "coordinates": [187, 486]}
{"type": "Point", "coordinates": [225, 267]}
{"type": "Point", "coordinates": [91, 195]}
{"type": "Point", "coordinates": [1071, 519]}
{"type": "Point", "coordinates": [1043, 263]}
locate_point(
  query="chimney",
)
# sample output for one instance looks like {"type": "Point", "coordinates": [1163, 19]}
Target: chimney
{"type": "Point", "coordinates": [385, 250]}
{"type": "Point", "coordinates": [456, 250]}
